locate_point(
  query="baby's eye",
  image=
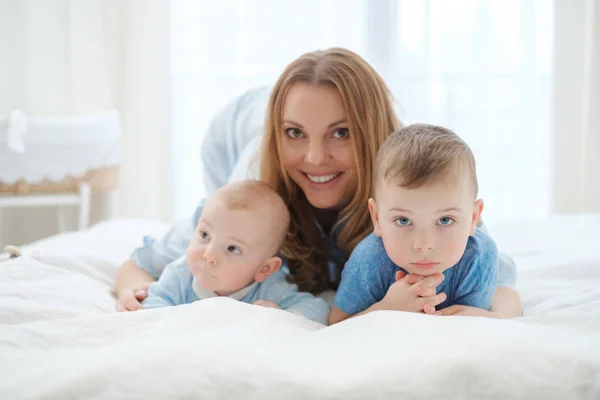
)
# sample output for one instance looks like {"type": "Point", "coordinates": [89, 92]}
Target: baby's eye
{"type": "Point", "coordinates": [234, 250]}
{"type": "Point", "coordinates": [402, 221]}
{"type": "Point", "coordinates": [204, 235]}
{"type": "Point", "coordinates": [341, 133]}
{"type": "Point", "coordinates": [293, 133]}
{"type": "Point", "coordinates": [445, 221]}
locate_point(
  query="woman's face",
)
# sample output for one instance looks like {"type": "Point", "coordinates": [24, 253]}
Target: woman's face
{"type": "Point", "coordinates": [317, 150]}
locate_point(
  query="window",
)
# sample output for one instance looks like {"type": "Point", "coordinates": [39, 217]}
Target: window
{"type": "Point", "coordinates": [482, 68]}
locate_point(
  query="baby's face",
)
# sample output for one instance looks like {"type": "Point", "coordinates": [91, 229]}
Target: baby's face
{"type": "Point", "coordinates": [229, 247]}
{"type": "Point", "coordinates": [425, 230]}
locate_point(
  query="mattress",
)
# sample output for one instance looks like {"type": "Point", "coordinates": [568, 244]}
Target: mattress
{"type": "Point", "coordinates": [60, 337]}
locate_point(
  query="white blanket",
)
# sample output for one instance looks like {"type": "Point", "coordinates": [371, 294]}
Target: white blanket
{"type": "Point", "coordinates": [60, 338]}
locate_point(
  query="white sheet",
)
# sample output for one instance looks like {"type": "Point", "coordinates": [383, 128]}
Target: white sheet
{"type": "Point", "coordinates": [59, 337]}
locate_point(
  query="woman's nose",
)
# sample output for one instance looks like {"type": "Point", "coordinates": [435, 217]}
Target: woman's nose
{"type": "Point", "coordinates": [317, 152]}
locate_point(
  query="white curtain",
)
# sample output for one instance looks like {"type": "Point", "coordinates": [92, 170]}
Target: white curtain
{"type": "Point", "coordinates": [73, 57]}
{"type": "Point", "coordinates": [483, 68]}
{"type": "Point", "coordinates": [577, 106]}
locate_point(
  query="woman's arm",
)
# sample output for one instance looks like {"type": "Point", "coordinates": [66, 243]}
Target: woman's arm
{"type": "Point", "coordinates": [228, 136]}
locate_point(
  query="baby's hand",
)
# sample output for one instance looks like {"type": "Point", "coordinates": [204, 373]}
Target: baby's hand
{"type": "Point", "coordinates": [265, 303]}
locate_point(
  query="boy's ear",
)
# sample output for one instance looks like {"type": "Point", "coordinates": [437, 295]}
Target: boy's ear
{"type": "Point", "coordinates": [270, 266]}
{"type": "Point", "coordinates": [374, 216]}
{"type": "Point", "coordinates": [477, 210]}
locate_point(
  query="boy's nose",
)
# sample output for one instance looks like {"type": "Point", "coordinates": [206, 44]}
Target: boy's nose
{"type": "Point", "coordinates": [423, 242]}
{"type": "Point", "coordinates": [210, 256]}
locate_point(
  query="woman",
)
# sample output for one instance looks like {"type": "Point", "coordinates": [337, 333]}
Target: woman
{"type": "Point", "coordinates": [327, 115]}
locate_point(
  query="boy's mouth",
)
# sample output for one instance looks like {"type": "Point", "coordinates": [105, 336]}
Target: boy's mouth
{"type": "Point", "coordinates": [425, 264]}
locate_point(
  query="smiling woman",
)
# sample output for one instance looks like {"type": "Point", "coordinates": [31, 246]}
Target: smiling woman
{"type": "Point", "coordinates": [317, 151]}
{"type": "Point", "coordinates": [315, 138]}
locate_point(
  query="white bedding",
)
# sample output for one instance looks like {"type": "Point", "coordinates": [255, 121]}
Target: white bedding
{"type": "Point", "coordinates": [59, 336]}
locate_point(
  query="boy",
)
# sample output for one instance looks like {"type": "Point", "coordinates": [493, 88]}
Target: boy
{"type": "Point", "coordinates": [425, 213]}
{"type": "Point", "coordinates": [234, 254]}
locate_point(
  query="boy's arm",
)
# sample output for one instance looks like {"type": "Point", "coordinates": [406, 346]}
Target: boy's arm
{"type": "Point", "coordinates": [169, 289]}
{"type": "Point", "coordinates": [365, 280]}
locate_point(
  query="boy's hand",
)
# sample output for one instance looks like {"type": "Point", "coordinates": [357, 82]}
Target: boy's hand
{"type": "Point", "coordinates": [414, 293]}
{"type": "Point", "coordinates": [264, 303]}
{"type": "Point", "coordinates": [131, 299]}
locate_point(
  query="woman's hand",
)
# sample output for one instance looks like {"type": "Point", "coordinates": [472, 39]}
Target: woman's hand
{"type": "Point", "coordinates": [413, 293]}
{"type": "Point", "coordinates": [131, 299]}
{"type": "Point", "coordinates": [468, 311]}
{"type": "Point", "coordinates": [267, 304]}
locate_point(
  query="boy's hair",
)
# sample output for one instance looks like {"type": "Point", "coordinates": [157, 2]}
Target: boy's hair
{"type": "Point", "coordinates": [419, 154]}
{"type": "Point", "coordinates": [249, 195]}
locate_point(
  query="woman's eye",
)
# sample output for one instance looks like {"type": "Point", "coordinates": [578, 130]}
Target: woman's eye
{"type": "Point", "coordinates": [204, 235]}
{"type": "Point", "coordinates": [293, 133]}
{"type": "Point", "coordinates": [234, 250]}
{"type": "Point", "coordinates": [444, 221]}
{"type": "Point", "coordinates": [402, 221]}
{"type": "Point", "coordinates": [341, 133]}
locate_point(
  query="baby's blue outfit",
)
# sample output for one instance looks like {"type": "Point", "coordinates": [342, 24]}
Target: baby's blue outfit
{"type": "Point", "coordinates": [369, 273]}
{"type": "Point", "coordinates": [228, 148]}
{"type": "Point", "coordinates": [177, 285]}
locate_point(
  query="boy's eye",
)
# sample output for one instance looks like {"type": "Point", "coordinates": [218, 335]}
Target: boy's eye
{"type": "Point", "coordinates": [204, 235]}
{"type": "Point", "coordinates": [341, 133]}
{"type": "Point", "coordinates": [234, 250]}
{"type": "Point", "coordinates": [402, 221]}
{"type": "Point", "coordinates": [293, 133]}
{"type": "Point", "coordinates": [444, 221]}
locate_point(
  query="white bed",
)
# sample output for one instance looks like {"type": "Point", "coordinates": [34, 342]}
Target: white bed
{"type": "Point", "coordinates": [60, 338]}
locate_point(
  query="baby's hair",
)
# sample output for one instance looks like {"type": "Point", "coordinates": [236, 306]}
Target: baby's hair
{"type": "Point", "coordinates": [249, 195]}
{"type": "Point", "coordinates": [419, 154]}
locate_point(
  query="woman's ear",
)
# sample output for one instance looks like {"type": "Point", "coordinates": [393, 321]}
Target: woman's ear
{"type": "Point", "coordinates": [270, 266]}
{"type": "Point", "coordinates": [374, 216]}
{"type": "Point", "coordinates": [477, 210]}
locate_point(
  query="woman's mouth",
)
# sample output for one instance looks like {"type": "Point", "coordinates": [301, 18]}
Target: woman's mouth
{"type": "Point", "coordinates": [322, 178]}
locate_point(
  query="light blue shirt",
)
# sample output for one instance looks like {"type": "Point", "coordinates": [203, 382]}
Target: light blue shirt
{"type": "Point", "coordinates": [177, 285]}
{"type": "Point", "coordinates": [369, 273]}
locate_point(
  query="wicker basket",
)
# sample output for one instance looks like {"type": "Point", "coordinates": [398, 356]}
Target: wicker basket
{"type": "Point", "coordinates": [99, 180]}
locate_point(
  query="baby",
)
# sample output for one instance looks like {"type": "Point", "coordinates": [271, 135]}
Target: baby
{"type": "Point", "coordinates": [425, 213]}
{"type": "Point", "coordinates": [234, 253]}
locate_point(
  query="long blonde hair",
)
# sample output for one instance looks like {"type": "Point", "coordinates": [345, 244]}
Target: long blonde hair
{"type": "Point", "coordinates": [371, 119]}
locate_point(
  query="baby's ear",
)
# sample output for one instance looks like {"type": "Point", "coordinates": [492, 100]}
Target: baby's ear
{"type": "Point", "coordinates": [477, 210]}
{"type": "Point", "coordinates": [374, 216]}
{"type": "Point", "coordinates": [270, 266]}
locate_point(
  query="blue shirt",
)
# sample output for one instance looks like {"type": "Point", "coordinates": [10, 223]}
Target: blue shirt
{"type": "Point", "coordinates": [177, 285]}
{"type": "Point", "coordinates": [369, 273]}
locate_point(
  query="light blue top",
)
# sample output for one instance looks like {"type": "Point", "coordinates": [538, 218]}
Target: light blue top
{"type": "Point", "coordinates": [177, 285]}
{"type": "Point", "coordinates": [369, 273]}
{"type": "Point", "coordinates": [228, 148]}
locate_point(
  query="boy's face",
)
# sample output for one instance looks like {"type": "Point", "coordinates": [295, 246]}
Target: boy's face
{"type": "Point", "coordinates": [425, 230]}
{"type": "Point", "coordinates": [231, 249]}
